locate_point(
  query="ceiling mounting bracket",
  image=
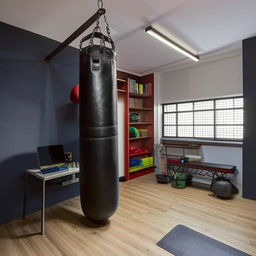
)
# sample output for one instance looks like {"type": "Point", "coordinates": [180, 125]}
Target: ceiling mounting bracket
{"type": "Point", "coordinates": [77, 33]}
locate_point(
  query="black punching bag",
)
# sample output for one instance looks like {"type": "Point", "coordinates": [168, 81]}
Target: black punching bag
{"type": "Point", "coordinates": [98, 132]}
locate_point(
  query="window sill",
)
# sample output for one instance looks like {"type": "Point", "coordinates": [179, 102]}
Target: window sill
{"type": "Point", "coordinates": [219, 143]}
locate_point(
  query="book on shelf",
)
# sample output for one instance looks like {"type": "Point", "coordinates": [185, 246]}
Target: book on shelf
{"type": "Point", "coordinates": [132, 85]}
{"type": "Point", "coordinates": [143, 89]}
{"type": "Point", "coordinates": [148, 88]}
{"type": "Point", "coordinates": [137, 88]}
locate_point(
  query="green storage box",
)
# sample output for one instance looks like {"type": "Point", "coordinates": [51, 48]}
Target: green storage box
{"type": "Point", "coordinates": [147, 161]}
{"type": "Point", "coordinates": [179, 180]}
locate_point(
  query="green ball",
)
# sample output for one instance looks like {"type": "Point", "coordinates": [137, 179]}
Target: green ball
{"type": "Point", "coordinates": [134, 133]}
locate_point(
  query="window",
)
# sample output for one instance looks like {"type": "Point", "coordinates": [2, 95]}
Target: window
{"type": "Point", "coordinates": [219, 119]}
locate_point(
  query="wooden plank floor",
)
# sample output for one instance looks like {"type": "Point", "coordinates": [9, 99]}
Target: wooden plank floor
{"type": "Point", "coordinates": [146, 213]}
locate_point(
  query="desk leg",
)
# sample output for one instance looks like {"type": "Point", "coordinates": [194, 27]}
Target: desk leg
{"type": "Point", "coordinates": [43, 208]}
{"type": "Point", "coordinates": [25, 197]}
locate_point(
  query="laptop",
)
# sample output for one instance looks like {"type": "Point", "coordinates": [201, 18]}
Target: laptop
{"type": "Point", "coordinates": [51, 158]}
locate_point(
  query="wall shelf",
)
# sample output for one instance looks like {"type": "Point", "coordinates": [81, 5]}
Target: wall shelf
{"type": "Point", "coordinates": [121, 80]}
{"type": "Point", "coordinates": [141, 123]}
{"type": "Point", "coordinates": [137, 95]}
{"type": "Point", "coordinates": [146, 152]}
{"type": "Point", "coordinates": [141, 138]}
{"type": "Point", "coordinates": [141, 109]}
{"type": "Point", "coordinates": [121, 90]}
{"type": "Point", "coordinates": [142, 172]}
{"type": "Point", "coordinates": [140, 168]}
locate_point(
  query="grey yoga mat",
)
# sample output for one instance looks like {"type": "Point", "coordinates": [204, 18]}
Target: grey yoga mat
{"type": "Point", "coordinates": [183, 241]}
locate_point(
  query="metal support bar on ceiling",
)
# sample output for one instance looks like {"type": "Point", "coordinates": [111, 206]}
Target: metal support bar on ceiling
{"type": "Point", "coordinates": [77, 33]}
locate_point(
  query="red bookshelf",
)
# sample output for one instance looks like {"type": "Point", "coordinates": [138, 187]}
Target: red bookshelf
{"type": "Point", "coordinates": [144, 105]}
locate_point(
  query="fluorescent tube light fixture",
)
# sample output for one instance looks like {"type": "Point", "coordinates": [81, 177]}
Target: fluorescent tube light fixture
{"type": "Point", "coordinates": [164, 39]}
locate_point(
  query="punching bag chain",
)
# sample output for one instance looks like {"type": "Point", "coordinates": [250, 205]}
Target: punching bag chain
{"type": "Point", "coordinates": [100, 5]}
{"type": "Point", "coordinates": [97, 31]}
{"type": "Point", "coordinates": [97, 28]}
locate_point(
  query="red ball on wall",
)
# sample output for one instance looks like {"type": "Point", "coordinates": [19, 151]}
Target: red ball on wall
{"type": "Point", "coordinates": [74, 95]}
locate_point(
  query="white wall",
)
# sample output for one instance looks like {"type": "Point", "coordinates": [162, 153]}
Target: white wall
{"type": "Point", "coordinates": [218, 78]}
{"type": "Point", "coordinates": [209, 80]}
{"type": "Point", "coordinates": [121, 124]}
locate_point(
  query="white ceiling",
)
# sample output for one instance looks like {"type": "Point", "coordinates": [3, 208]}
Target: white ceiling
{"type": "Point", "coordinates": [203, 26]}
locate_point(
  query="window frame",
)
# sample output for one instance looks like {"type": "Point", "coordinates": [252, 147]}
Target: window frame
{"type": "Point", "coordinates": [193, 124]}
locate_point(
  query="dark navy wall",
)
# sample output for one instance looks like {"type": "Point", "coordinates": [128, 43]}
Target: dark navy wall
{"type": "Point", "coordinates": [34, 110]}
{"type": "Point", "coordinates": [249, 145]}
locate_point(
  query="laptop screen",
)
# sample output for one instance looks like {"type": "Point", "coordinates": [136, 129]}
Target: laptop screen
{"type": "Point", "coordinates": [51, 155]}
